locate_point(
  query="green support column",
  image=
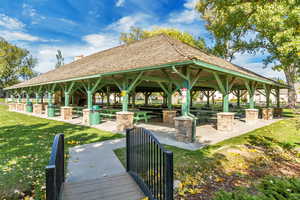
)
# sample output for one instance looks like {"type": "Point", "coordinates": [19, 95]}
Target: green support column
{"type": "Point", "coordinates": [126, 88]}
{"type": "Point", "coordinates": [27, 98]}
{"type": "Point", "coordinates": [90, 99]}
{"type": "Point", "coordinates": [278, 97]}
{"type": "Point", "coordinates": [51, 110]}
{"type": "Point", "coordinates": [267, 92]}
{"type": "Point", "coordinates": [125, 101]}
{"type": "Point", "coordinates": [67, 99]}
{"type": "Point", "coordinates": [37, 98]}
{"type": "Point", "coordinates": [19, 98]}
{"type": "Point", "coordinates": [169, 101]}
{"type": "Point", "coordinates": [238, 98]}
{"type": "Point", "coordinates": [251, 87]}
{"type": "Point", "coordinates": [185, 108]}
{"type": "Point", "coordinates": [29, 107]}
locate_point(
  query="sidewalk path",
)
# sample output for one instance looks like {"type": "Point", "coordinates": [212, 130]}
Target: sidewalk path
{"type": "Point", "coordinates": [96, 160]}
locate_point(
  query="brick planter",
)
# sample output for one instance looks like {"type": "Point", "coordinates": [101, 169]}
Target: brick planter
{"type": "Point", "coordinates": [24, 107]}
{"type": "Point", "coordinates": [12, 106]}
{"type": "Point", "coordinates": [251, 115]}
{"type": "Point", "coordinates": [20, 107]}
{"type": "Point", "coordinates": [267, 113]}
{"type": "Point", "coordinates": [66, 113]}
{"type": "Point", "coordinates": [184, 127]}
{"type": "Point", "coordinates": [124, 120]}
{"type": "Point", "coordinates": [86, 116]}
{"type": "Point", "coordinates": [38, 109]}
{"type": "Point", "coordinates": [168, 116]}
{"type": "Point", "coordinates": [225, 121]}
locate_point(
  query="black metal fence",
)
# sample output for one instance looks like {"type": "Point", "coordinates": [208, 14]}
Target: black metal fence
{"type": "Point", "coordinates": [55, 176]}
{"type": "Point", "coordinates": [150, 164]}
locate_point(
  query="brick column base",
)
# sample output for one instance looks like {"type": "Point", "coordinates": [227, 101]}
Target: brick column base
{"type": "Point", "coordinates": [46, 109]}
{"type": "Point", "coordinates": [184, 128]}
{"type": "Point", "coordinates": [225, 121]}
{"type": "Point", "coordinates": [277, 112]}
{"type": "Point", "coordinates": [251, 115]}
{"type": "Point", "coordinates": [86, 116]}
{"type": "Point", "coordinates": [66, 113]}
{"type": "Point", "coordinates": [124, 120]}
{"type": "Point", "coordinates": [24, 107]}
{"type": "Point", "coordinates": [38, 109]}
{"type": "Point", "coordinates": [20, 107]}
{"type": "Point", "coordinates": [168, 116]}
{"type": "Point", "coordinates": [12, 106]}
{"type": "Point", "coordinates": [267, 113]}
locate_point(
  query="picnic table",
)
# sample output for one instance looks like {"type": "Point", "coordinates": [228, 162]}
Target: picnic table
{"type": "Point", "coordinates": [142, 115]}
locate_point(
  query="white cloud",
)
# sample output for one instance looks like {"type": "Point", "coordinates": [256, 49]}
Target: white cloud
{"type": "Point", "coordinates": [188, 15]}
{"type": "Point", "coordinates": [93, 43]}
{"type": "Point", "coordinates": [19, 36]}
{"type": "Point", "coordinates": [246, 60]}
{"type": "Point", "coordinates": [29, 11]}
{"type": "Point", "coordinates": [120, 3]}
{"type": "Point", "coordinates": [124, 23]}
{"type": "Point", "coordinates": [10, 23]}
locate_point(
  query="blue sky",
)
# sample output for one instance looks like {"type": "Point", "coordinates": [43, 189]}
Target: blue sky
{"type": "Point", "coordinates": [82, 27]}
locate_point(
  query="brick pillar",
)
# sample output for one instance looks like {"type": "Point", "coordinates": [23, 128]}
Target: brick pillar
{"type": "Point", "coordinates": [251, 115]}
{"type": "Point", "coordinates": [277, 112]}
{"type": "Point", "coordinates": [24, 107]}
{"type": "Point", "coordinates": [66, 113]}
{"type": "Point", "coordinates": [19, 107]}
{"type": "Point", "coordinates": [184, 128]}
{"type": "Point", "coordinates": [38, 109]}
{"type": "Point", "coordinates": [168, 116]}
{"type": "Point", "coordinates": [46, 110]}
{"type": "Point", "coordinates": [86, 116]}
{"type": "Point", "coordinates": [225, 121]}
{"type": "Point", "coordinates": [124, 120]}
{"type": "Point", "coordinates": [267, 113]}
{"type": "Point", "coordinates": [12, 106]}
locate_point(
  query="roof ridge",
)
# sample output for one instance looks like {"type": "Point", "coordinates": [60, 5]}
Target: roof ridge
{"type": "Point", "coordinates": [174, 46]}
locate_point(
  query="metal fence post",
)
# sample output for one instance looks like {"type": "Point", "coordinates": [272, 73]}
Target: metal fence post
{"type": "Point", "coordinates": [50, 183]}
{"type": "Point", "coordinates": [169, 175]}
{"type": "Point", "coordinates": [128, 150]}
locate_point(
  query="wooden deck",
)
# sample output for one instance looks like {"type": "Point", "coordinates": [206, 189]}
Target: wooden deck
{"type": "Point", "coordinates": [114, 187]}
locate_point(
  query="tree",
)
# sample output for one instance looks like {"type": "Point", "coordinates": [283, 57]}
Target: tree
{"type": "Point", "coordinates": [15, 64]}
{"type": "Point", "coordinates": [138, 34]}
{"type": "Point", "coordinates": [60, 59]}
{"type": "Point", "coordinates": [268, 26]}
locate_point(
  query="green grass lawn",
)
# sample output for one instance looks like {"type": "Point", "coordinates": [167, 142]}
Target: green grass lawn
{"type": "Point", "coordinates": [237, 162]}
{"type": "Point", "coordinates": [25, 145]}
{"type": "Point", "coordinates": [2, 100]}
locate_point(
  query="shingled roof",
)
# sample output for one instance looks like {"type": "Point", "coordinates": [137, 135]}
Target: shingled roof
{"type": "Point", "coordinates": [154, 51]}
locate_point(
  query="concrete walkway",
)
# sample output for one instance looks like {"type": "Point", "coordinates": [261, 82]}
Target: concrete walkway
{"type": "Point", "coordinates": [94, 161]}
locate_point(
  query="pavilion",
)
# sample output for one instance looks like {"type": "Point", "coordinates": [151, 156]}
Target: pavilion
{"type": "Point", "coordinates": [156, 64]}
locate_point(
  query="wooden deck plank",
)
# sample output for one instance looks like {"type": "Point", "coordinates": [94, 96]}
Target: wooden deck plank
{"type": "Point", "coordinates": [115, 187]}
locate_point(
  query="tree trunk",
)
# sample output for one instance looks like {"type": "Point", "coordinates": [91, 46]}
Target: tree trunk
{"type": "Point", "coordinates": [291, 91]}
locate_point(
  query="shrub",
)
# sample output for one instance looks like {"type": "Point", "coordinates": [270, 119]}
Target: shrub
{"type": "Point", "coordinates": [270, 188]}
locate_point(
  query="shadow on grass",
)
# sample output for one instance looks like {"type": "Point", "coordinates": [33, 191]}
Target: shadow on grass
{"type": "Point", "coordinates": [25, 151]}
{"type": "Point", "coordinates": [202, 173]}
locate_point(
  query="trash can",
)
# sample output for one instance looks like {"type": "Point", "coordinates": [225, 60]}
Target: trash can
{"type": "Point", "coordinates": [51, 111]}
{"type": "Point", "coordinates": [95, 115]}
{"type": "Point", "coordinates": [29, 107]}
